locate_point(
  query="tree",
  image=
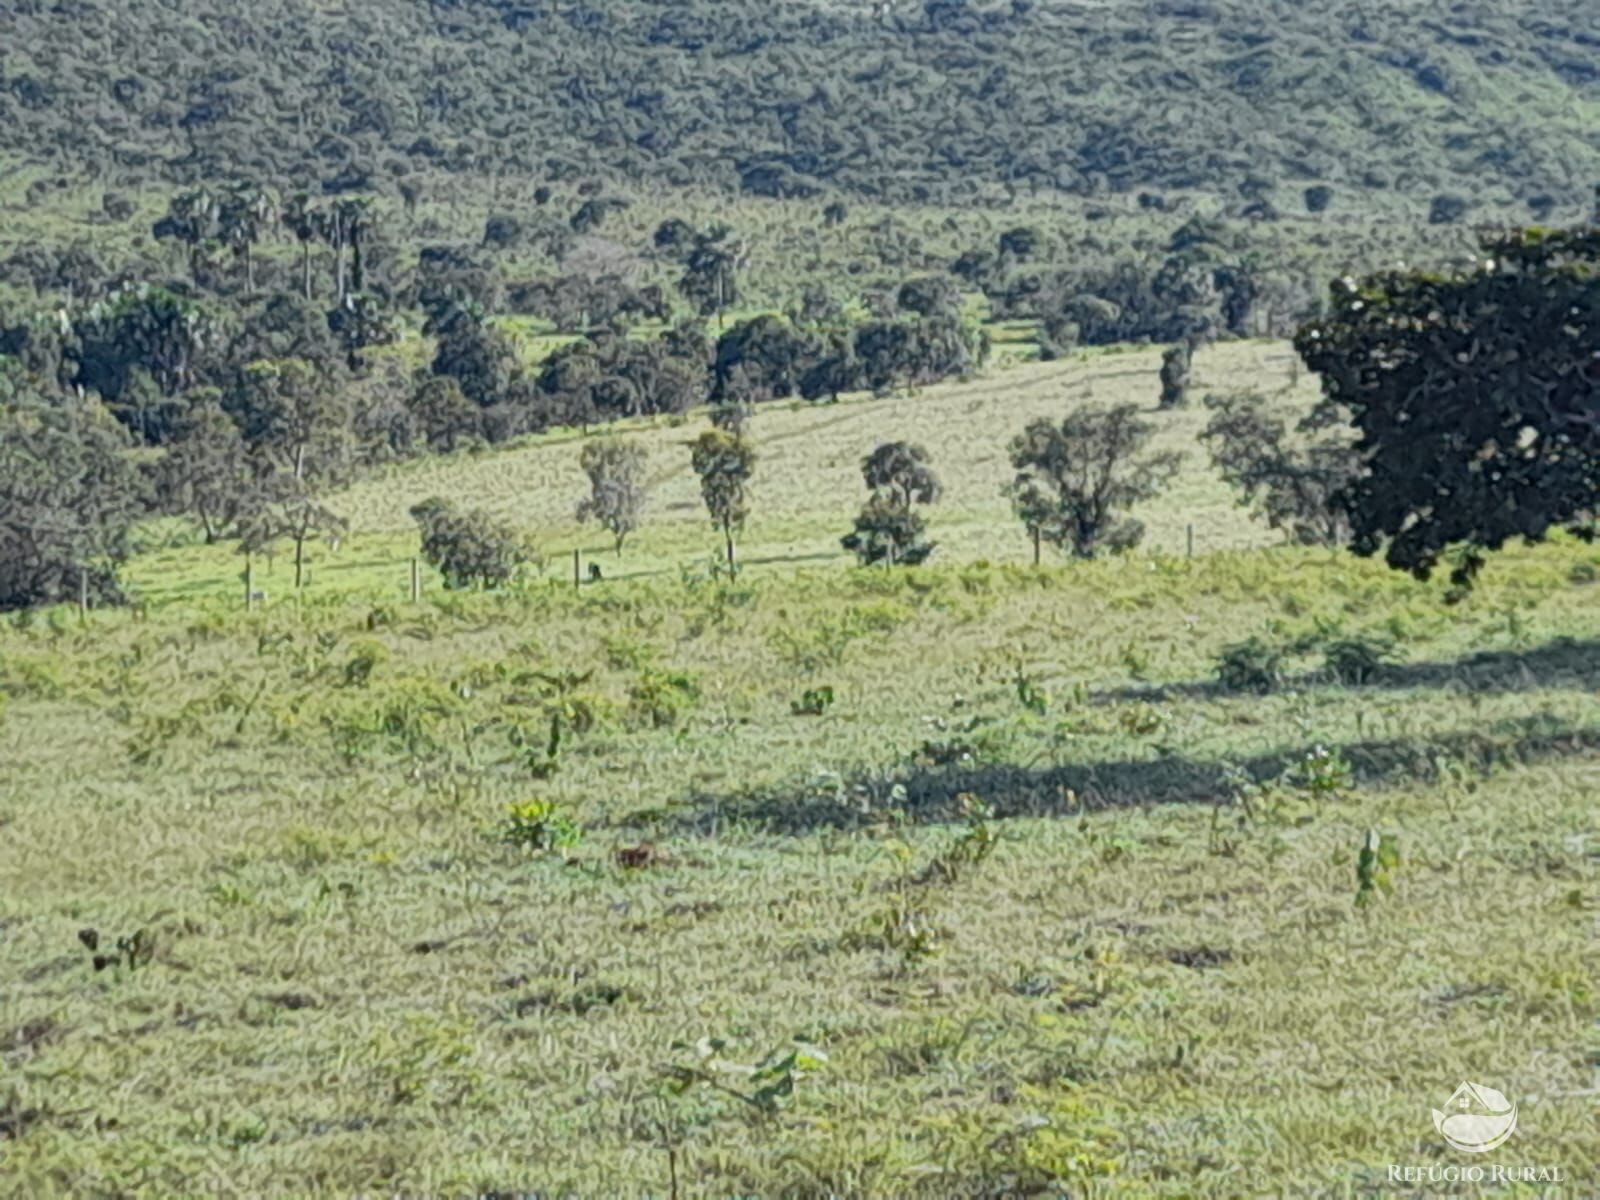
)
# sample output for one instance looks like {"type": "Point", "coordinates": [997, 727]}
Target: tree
{"type": "Point", "coordinates": [758, 360]}
{"type": "Point", "coordinates": [724, 462]}
{"type": "Point", "coordinates": [206, 472]}
{"type": "Point", "coordinates": [474, 353]}
{"type": "Point", "coordinates": [141, 328]}
{"type": "Point", "coordinates": [1475, 396]}
{"type": "Point", "coordinates": [69, 494]}
{"type": "Point", "coordinates": [710, 272]}
{"type": "Point", "coordinates": [305, 222]}
{"type": "Point", "coordinates": [617, 490]}
{"type": "Point", "coordinates": [298, 427]}
{"type": "Point", "coordinates": [469, 548]}
{"type": "Point", "coordinates": [1076, 481]}
{"type": "Point", "coordinates": [295, 420]}
{"type": "Point", "coordinates": [889, 529]}
{"type": "Point", "coordinates": [834, 372]}
{"type": "Point", "coordinates": [1175, 375]}
{"type": "Point", "coordinates": [362, 321]}
{"type": "Point", "coordinates": [447, 418]}
{"type": "Point", "coordinates": [243, 213]}
{"type": "Point", "coordinates": [191, 218]}
{"type": "Point", "coordinates": [290, 509]}
{"type": "Point", "coordinates": [1295, 484]}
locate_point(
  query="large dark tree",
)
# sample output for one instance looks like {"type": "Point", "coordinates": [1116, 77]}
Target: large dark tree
{"type": "Point", "coordinates": [69, 494]}
{"type": "Point", "coordinates": [1476, 396]}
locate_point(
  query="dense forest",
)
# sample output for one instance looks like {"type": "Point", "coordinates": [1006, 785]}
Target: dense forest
{"type": "Point", "coordinates": [1491, 99]}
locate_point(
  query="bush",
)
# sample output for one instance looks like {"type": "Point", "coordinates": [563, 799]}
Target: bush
{"type": "Point", "coordinates": [1356, 660]}
{"type": "Point", "coordinates": [539, 825]}
{"type": "Point", "coordinates": [1249, 666]}
{"type": "Point", "coordinates": [470, 549]}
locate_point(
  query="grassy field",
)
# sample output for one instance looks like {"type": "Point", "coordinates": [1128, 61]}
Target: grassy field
{"type": "Point", "coordinates": [999, 886]}
{"type": "Point", "coordinates": [807, 488]}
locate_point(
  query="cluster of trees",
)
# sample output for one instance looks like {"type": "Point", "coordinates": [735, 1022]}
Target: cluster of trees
{"type": "Point", "coordinates": [924, 100]}
{"type": "Point", "coordinates": [1459, 411]}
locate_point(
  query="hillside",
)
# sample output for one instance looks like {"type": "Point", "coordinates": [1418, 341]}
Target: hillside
{"type": "Point", "coordinates": [1038, 900]}
{"type": "Point", "coordinates": [1493, 100]}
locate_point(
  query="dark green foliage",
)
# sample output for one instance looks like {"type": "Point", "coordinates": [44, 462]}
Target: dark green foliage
{"type": "Point", "coordinates": [1294, 482]}
{"type": "Point", "coordinates": [1175, 375]}
{"type": "Point", "coordinates": [1249, 666]}
{"type": "Point", "coordinates": [69, 494]}
{"type": "Point", "coordinates": [1318, 197]}
{"type": "Point", "coordinates": [1076, 481]}
{"type": "Point", "coordinates": [469, 548]}
{"type": "Point", "coordinates": [444, 415]}
{"type": "Point", "coordinates": [813, 702]}
{"type": "Point", "coordinates": [1356, 660]}
{"type": "Point", "coordinates": [760, 359]}
{"type": "Point", "coordinates": [724, 461]}
{"type": "Point", "coordinates": [1474, 398]}
{"type": "Point", "coordinates": [475, 354]}
{"type": "Point", "coordinates": [889, 529]}
{"type": "Point", "coordinates": [710, 280]}
{"type": "Point", "coordinates": [206, 472]}
{"type": "Point", "coordinates": [606, 377]}
{"type": "Point", "coordinates": [939, 101]}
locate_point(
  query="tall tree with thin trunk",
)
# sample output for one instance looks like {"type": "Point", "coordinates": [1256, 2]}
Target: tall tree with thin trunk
{"type": "Point", "coordinates": [616, 486]}
{"type": "Point", "coordinates": [724, 462]}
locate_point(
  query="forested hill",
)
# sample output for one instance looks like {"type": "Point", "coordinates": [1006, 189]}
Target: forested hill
{"type": "Point", "coordinates": [1498, 100]}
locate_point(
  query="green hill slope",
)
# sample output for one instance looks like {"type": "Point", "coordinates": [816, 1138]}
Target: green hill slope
{"type": "Point", "coordinates": [944, 100]}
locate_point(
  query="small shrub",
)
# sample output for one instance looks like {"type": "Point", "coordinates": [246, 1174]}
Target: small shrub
{"type": "Point", "coordinates": [1249, 666]}
{"type": "Point", "coordinates": [367, 658]}
{"type": "Point", "coordinates": [539, 826]}
{"type": "Point", "coordinates": [661, 699]}
{"type": "Point", "coordinates": [1379, 856]}
{"type": "Point", "coordinates": [1323, 772]}
{"type": "Point", "coordinates": [813, 702]}
{"type": "Point", "coordinates": [1356, 660]}
{"type": "Point", "coordinates": [1030, 695]}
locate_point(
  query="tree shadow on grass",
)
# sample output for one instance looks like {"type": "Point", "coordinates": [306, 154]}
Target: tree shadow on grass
{"type": "Point", "coordinates": [931, 794]}
{"type": "Point", "coordinates": [1564, 663]}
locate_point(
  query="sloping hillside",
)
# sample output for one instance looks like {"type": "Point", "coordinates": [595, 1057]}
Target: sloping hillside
{"type": "Point", "coordinates": [1493, 99]}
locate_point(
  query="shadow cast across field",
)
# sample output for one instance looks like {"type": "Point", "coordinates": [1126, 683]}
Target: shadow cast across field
{"type": "Point", "coordinates": [1569, 663]}
{"type": "Point", "coordinates": [932, 794]}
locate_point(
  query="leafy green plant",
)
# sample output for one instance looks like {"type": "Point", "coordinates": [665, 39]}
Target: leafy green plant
{"type": "Point", "coordinates": [539, 826]}
{"type": "Point", "coordinates": [367, 658]}
{"type": "Point", "coordinates": [660, 699]}
{"type": "Point", "coordinates": [813, 702]}
{"type": "Point", "coordinates": [977, 841]}
{"type": "Point", "coordinates": [1142, 719]}
{"type": "Point", "coordinates": [1378, 858]}
{"type": "Point", "coordinates": [1249, 666]}
{"type": "Point", "coordinates": [135, 950]}
{"type": "Point", "coordinates": [1030, 695]}
{"type": "Point", "coordinates": [765, 1086]}
{"type": "Point", "coordinates": [1322, 772]}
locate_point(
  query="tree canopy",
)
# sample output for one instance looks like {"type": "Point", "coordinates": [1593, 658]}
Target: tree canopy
{"type": "Point", "coordinates": [1476, 395]}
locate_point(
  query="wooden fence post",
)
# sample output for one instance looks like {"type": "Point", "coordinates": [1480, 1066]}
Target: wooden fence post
{"type": "Point", "coordinates": [1191, 541]}
{"type": "Point", "coordinates": [83, 595]}
{"type": "Point", "coordinates": [577, 577]}
{"type": "Point", "coordinates": [249, 583]}
{"type": "Point", "coordinates": [1036, 540]}
{"type": "Point", "coordinates": [416, 582]}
